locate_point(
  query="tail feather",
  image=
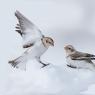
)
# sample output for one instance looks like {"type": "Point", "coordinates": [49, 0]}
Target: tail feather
{"type": "Point", "coordinates": [13, 63]}
{"type": "Point", "coordinates": [18, 63]}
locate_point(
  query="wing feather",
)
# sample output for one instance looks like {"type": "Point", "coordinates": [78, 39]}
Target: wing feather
{"type": "Point", "coordinates": [29, 32]}
{"type": "Point", "coordinates": [83, 56]}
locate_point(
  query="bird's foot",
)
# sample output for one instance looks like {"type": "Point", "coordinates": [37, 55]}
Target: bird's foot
{"type": "Point", "coordinates": [44, 65]}
{"type": "Point", "coordinates": [71, 66]}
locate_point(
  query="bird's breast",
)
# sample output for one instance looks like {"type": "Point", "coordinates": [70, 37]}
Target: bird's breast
{"type": "Point", "coordinates": [69, 60]}
{"type": "Point", "coordinates": [77, 63]}
{"type": "Point", "coordinates": [40, 48]}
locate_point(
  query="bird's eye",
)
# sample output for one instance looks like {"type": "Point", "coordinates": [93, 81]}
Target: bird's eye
{"type": "Point", "coordinates": [46, 41]}
{"type": "Point", "coordinates": [69, 48]}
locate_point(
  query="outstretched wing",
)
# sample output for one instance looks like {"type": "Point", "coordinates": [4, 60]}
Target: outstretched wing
{"type": "Point", "coordinates": [29, 32]}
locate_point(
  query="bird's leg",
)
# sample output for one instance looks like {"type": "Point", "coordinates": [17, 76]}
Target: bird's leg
{"type": "Point", "coordinates": [44, 65]}
{"type": "Point", "coordinates": [71, 66]}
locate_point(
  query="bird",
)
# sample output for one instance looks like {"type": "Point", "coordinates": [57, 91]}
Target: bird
{"type": "Point", "coordinates": [34, 42]}
{"type": "Point", "coordinates": [79, 60]}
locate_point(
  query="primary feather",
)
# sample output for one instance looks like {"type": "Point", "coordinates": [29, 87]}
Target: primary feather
{"type": "Point", "coordinates": [29, 32]}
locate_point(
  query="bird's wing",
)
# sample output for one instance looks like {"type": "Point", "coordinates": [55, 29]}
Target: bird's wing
{"type": "Point", "coordinates": [89, 55]}
{"type": "Point", "coordinates": [83, 56]}
{"type": "Point", "coordinates": [89, 60]}
{"type": "Point", "coordinates": [29, 32]}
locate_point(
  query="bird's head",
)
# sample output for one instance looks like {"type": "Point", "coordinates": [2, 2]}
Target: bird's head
{"type": "Point", "coordinates": [47, 41]}
{"type": "Point", "coordinates": [69, 49]}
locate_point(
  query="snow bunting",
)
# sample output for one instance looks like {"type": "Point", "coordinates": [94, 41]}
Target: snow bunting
{"type": "Point", "coordinates": [33, 40]}
{"type": "Point", "coordinates": [76, 59]}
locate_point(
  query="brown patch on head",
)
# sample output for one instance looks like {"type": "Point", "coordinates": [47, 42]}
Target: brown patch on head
{"type": "Point", "coordinates": [69, 48]}
{"type": "Point", "coordinates": [47, 41]}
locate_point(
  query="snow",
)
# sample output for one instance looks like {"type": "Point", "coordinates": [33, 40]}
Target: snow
{"type": "Point", "coordinates": [67, 22]}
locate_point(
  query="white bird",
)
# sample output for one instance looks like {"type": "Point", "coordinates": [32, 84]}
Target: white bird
{"type": "Point", "coordinates": [33, 40]}
{"type": "Point", "coordinates": [76, 59]}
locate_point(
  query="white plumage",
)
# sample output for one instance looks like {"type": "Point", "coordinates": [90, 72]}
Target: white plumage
{"type": "Point", "coordinates": [80, 64]}
{"type": "Point", "coordinates": [33, 40]}
{"type": "Point", "coordinates": [80, 60]}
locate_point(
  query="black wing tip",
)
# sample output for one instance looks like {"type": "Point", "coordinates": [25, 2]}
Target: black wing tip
{"type": "Point", "coordinates": [19, 31]}
{"type": "Point", "coordinates": [90, 55]}
{"type": "Point", "coordinates": [10, 62]}
{"type": "Point", "coordinates": [17, 13]}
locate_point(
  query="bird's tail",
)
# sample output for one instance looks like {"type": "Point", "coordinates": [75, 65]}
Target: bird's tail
{"type": "Point", "coordinates": [19, 62]}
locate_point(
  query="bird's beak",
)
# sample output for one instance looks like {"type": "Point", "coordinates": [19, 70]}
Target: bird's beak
{"type": "Point", "coordinates": [52, 44]}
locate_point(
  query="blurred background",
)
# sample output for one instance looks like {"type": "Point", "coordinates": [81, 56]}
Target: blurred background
{"type": "Point", "coordinates": [66, 21]}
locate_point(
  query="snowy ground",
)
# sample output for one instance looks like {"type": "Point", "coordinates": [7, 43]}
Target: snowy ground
{"type": "Point", "coordinates": [67, 22]}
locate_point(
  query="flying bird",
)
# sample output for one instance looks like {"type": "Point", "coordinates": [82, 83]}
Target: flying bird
{"type": "Point", "coordinates": [34, 42]}
{"type": "Point", "coordinates": [76, 59]}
